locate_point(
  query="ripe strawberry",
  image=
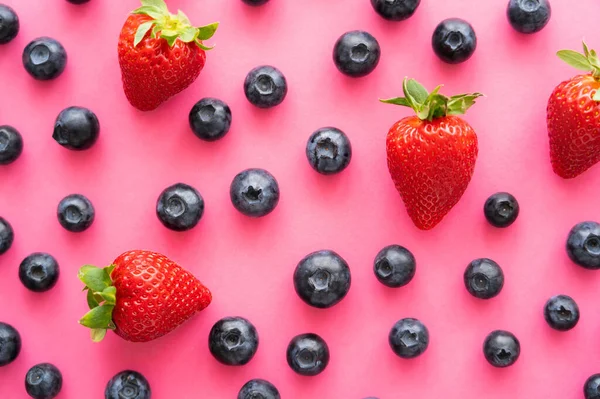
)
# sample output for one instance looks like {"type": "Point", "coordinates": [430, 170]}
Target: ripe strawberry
{"type": "Point", "coordinates": [160, 54]}
{"type": "Point", "coordinates": [142, 296]}
{"type": "Point", "coordinates": [574, 116]}
{"type": "Point", "coordinates": [431, 156]}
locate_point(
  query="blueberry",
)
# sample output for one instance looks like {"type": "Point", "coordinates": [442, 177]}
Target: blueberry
{"type": "Point", "coordinates": [76, 128]}
{"type": "Point", "coordinates": [9, 24]}
{"type": "Point", "coordinates": [322, 279]}
{"type": "Point", "coordinates": [501, 209]}
{"type": "Point", "coordinates": [258, 389]}
{"type": "Point", "coordinates": [11, 145]}
{"type": "Point", "coordinates": [180, 207]}
{"type": "Point", "coordinates": [255, 2]}
{"type": "Point", "coordinates": [356, 53]}
{"type": "Point", "coordinates": [528, 16]}
{"type": "Point", "coordinates": [395, 10]}
{"type": "Point", "coordinates": [128, 384]}
{"type": "Point", "coordinates": [210, 119]}
{"type": "Point", "coordinates": [265, 86]}
{"type": "Point", "coordinates": [78, 1]}
{"type": "Point", "coordinates": [454, 41]}
{"type": "Point", "coordinates": [308, 354]}
{"type": "Point", "coordinates": [501, 348]}
{"type": "Point", "coordinates": [75, 213]}
{"type": "Point", "coordinates": [39, 272]}
{"type": "Point", "coordinates": [43, 381]}
{"type": "Point", "coordinates": [233, 341]}
{"type": "Point", "coordinates": [44, 58]}
{"type": "Point", "coordinates": [409, 338]}
{"type": "Point", "coordinates": [561, 312]}
{"type": "Point", "coordinates": [591, 389]}
{"type": "Point", "coordinates": [254, 192]}
{"type": "Point", "coordinates": [484, 278]}
{"type": "Point", "coordinates": [583, 245]}
{"type": "Point", "coordinates": [10, 344]}
{"type": "Point", "coordinates": [328, 151]}
{"type": "Point", "coordinates": [7, 236]}
{"type": "Point", "coordinates": [394, 266]}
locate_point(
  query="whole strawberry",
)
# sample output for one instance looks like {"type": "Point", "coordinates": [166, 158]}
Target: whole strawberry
{"type": "Point", "coordinates": [142, 296]}
{"type": "Point", "coordinates": [160, 54]}
{"type": "Point", "coordinates": [574, 116]}
{"type": "Point", "coordinates": [431, 156]}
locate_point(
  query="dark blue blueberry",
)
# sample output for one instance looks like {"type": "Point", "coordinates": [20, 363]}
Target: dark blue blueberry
{"type": "Point", "coordinates": [128, 384]}
{"type": "Point", "coordinates": [409, 338]}
{"type": "Point", "coordinates": [356, 53]}
{"type": "Point", "coordinates": [561, 312]}
{"type": "Point", "coordinates": [7, 235]}
{"type": "Point", "coordinates": [591, 389]}
{"type": "Point", "coordinates": [44, 58]}
{"type": "Point", "coordinates": [76, 128]}
{"type": "Point", "coordinates": [308, 354]}
{"type": "Point", "coordinates": [265, 86]}
{"type": "Point", "coordinates": [528, 16]}
{"type": "Point", "coordinates": [233, 341]}
{"type": "Point", "coordinates": [454, 41]}
{"type": "Point", "coordinates": [210, 119]}
{"type": "Point", "coordinates": [501, 348]}
{"type": "Point", "coordinates": [484, 278]}
{"type": "Point", "coordinates": [10, 344]}
{"type": "Point", "coordinates": [583, 245]}
{"type": "Point", "coordinates": [43, 381]}
{"type": "Point", "coordinates": [322, 279]}
{"type": "Point", "coordinates": [11, 145]}
{"type": "Point", "coordinates": [75, 213]}
{"type": "Point", "coordinates": [9, 24]}
{"type": "Point", "coordinates": [501, 209]}
{"type": "Point", "coordinates": [254, 192]}
{"type": "Point", "coordinates": [255, 2]}
{"type": "Point", "coordinates": [180, 207]}
{"type": "Point", "coordinates": [328, 151]}
{"type": "Point", "coordinates": [39, 272]}
{"type": "Point", "coordinates": [395, 10]}
{"type": "Point", "coordinates": [78, 1]}
{"type": "Point", "coordinates": [258, 389]}
{"type": "Point", "coordinates": [394, 266]}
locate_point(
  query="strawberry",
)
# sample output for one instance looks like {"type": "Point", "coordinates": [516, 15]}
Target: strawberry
{"type": "Point", "coordinates": [160, 54]}
{"type": "Point", "coordinates": [431, 156]}
{"type": "Point", "coordinates": [573, 116]}
{"type": "Point", "coordinates": [142, 296]}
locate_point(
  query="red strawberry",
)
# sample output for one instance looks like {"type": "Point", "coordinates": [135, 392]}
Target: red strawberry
{"type": "Point", "coordinates": [160, 54]}
{"type": "Point", "coordinates": [574, 116]}
{"type": "Point", "coordinates": [142, 296]}
{"type": "Point", "coordinates": [431, 156]}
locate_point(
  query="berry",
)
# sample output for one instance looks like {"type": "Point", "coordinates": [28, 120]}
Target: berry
{"type": "Point", "coordinates": [255, 2]}
{"type": "Point", "coordinates": [484, 278]}
{"type": "Point", "coordinates": [307, 354]}
{"type": "Point", "coordinates": [322, 279]}
{"type": "Point", "coordinates": [180, 207]}
{"type": "Point", "coordinates": [583, 245]}
{"type": "Point", "coordinates": [356, 53]}
{"type": "Point", "coordinates": [11, 144]}
{"type": "Point", "coordinates": [9, 24]}
{"type": "Point", "coordinates": [10, 344]}
{"type": "Point", "coordinates": [258, 389]}
{"type": "Point", "coordinates": [44, 58]}
{"type": "Point", "coordinates": [75, 213]}
{"type": "Point", "coordinates": [528, 16]}
{"type": "Point", "coordinates": [454, 41]}
{"type": "Point", "coordinates": [394, 266]}
{"type": "Point", "coordinates": [501, 348]}
{"type": "Point", "coordinates": [328, 151]}
{"type": "Point", "coordinates": [409, 338]}
{"type": "Point", "coordinates": [561, 313]}
{"type": "Point", "coordinates": [7, 236]}
{"type": "Point", "coordinates": [501, 209]}
{"type": "Point", "coordinates": [233, 341]}
{"type": "Point", "coordinates": [43, 381]}
{"type": "Point", "coordinates": [265, 86]}
{"type": "Point", "coordinates": [39, 272]}
{"type": "Point", "coordinates": [76, 128]}
{"type": "Point", "coordinates": [128, 384]}
{"type": "Point", "coordinates": [395, 10]}
{"type": "Point", "coordinates": [591, 389]}
{"type": "Point", "coordinates": [254, 192]}
{"type": "Point", "coordinates": [210, 119]}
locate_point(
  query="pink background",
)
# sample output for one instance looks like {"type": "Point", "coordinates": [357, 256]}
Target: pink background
{"type": "Point", "coordinates": [247, 263]}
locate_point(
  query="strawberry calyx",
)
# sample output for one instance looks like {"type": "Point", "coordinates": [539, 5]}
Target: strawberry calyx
{"type": "Point", "coordinates": [170, 26]}
{"type": "Point", "coordinates": [587, 61]}
{"type": "Point", "coordinates": [429, 106]}
{"type": "Point", "coordinates": [101, 299]}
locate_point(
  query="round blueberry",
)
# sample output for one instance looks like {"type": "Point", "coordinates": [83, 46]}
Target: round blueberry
{"type": "Point", "coordinates": [583, 245]}
{"type": "Point", "coordinates": [454, 40]}
{"type": "Point", "coordinates": [322, 279]}
{"type": "Point", "coordinates": [308, 354]}
{"type": "Point", "coordinates": [10, 344]}
{"type": "Point", "coordinates": [394, 266]}
{"type": "Point", "coordinates": [255, 2]}
{"type": "Point", "coordinates": [128, 384]}
{"type": "Point", "coordinates": [265, 86]}
{"type": "Point", "coordinates": [75, 213]}
{"type": "Point", "coordinates": [528, 16]}
{"type": "Point", "coordinates": [210, 119]}
{"type": "Point", "coordinates": [78, 1]}
{"type": "Point", "coordinates": [43, 381]}
{"type": "Point", "coordinates": [180, 207]}
{"type": "Point", "coordinates": [254, 192]}
{"type": "Point", "coordinates": [328, 150]}
{"type": "Point", "coordinates": [356, 53]}
{"type": "Point", "coordinates": [501, 209]}
{"type": "Point", "coordinates": [395, 10]}
{"type": "Point", "coordinates": [258, 389]}
{"type": "Point", "coordinates": [591, 389]}
{"type": "Point", "coordinates": [233, 341]}
{"type": "Point", "coordinates": [501, 348]}
{"type": "Point", "coordinates": [409, 338]}
{"type": "Point", "coordinates": [7, 235]}
{"type": "Point", "coordinates": [39, 272]}
{"type": "Point", "coordinates": [11, 144]}
{"type": "Point", "coordinates": [484, 278]}
{"type": "Point", "coordinates": [9, 24]}
{"type": "Point", "coordinates": [44, 58]}
{"type": "Point", "coordinates": [76, 128]}
{"type": "Point", "coordinates": [561, 312]}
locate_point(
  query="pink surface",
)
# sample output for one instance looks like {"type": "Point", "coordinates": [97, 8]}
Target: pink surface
{"type": "Point", "coordinates": [247, 263]}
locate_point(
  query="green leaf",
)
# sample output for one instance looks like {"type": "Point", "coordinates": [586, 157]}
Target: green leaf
{"type": "Point", "coordinates": [189, 34]}
{"type": "Point", "coordinates": [203, 47]}
{"type": "Point", "coordinates": [397, 101]}
{"type": "Point", "coordinates": [99, 317]}
{"type": "Point", "coordinates": [183, 18]}
{"type": "Point", "coordinates": [435, 106]}
{"type": "Point", "coordinates": [208, 31]}
{"type": "Point", "coordinates": [141, 32]}
{"type": "Point", "coordinates": [154, 34]}
{"type": "Point", "coordinates": [97, 334]}
{"type": "Point", "coordinates": [91, 300]}
{"type": "Point", "coordinates": [596, 96]}
{"type": "Point", "coordinates": [458, 105]}
{"type": "Point", "coordinates": [95, 278]}
{"type": "Point", "coordinates": [160, 4]}
{"type": "Point", "coordinates": [109, 295]}
{"type": "Point", "coordinates": [417, 91]}
{"type": "Point", "coordinates": [409, 97]}
{"type": "Point", "coordinates": [586, 50]}
{"type": "Point", "coordinates": [169, 38]}
{"type": "Point", "coordinates": [153, 12]}
{"type": "Point", "coordinates": [575, 59]}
